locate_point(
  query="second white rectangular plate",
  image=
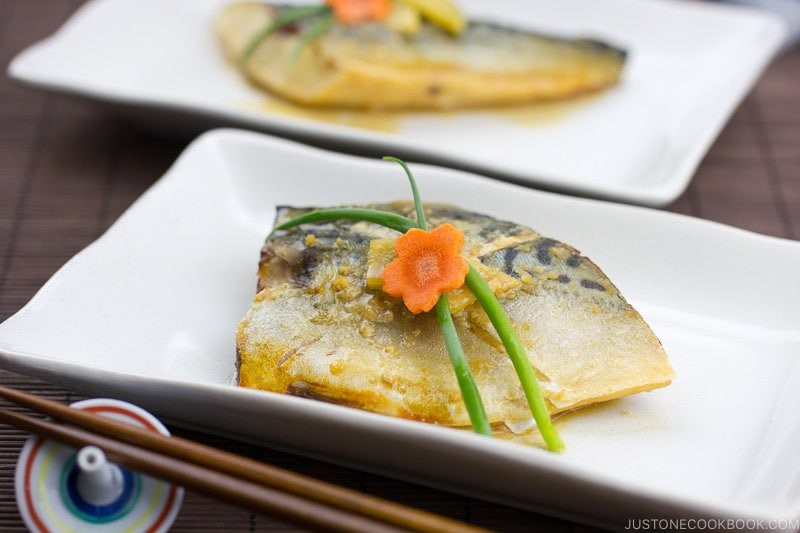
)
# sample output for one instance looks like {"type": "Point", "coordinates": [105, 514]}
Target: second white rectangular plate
{"type": "Point", "coordinates": [689, 65]}
{"type": "Point", "coordinates": [148, 314]}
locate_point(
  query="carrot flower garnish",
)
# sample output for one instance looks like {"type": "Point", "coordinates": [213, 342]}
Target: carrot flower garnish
{"type": "Point", "coordinates": [356, 11]}
{"type": "Point", "coordinates": [428, 263]}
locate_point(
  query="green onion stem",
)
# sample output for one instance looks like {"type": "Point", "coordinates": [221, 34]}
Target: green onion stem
{"type": "Point", "coordinates": [423, 224]}
{"type": "Point", "coordinates": [383, 218]}
{"type": "Point", "coordinates": [322, 25]}
{"type": "Point", "coordinates": [288, 16]}
{"type": "Point", "coordinates": [516, 351]}
{"type": "Point", "coordinates": [466, 382]}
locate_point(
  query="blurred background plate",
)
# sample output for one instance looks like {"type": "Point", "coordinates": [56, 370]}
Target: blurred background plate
{"type": "Point", "coordinates": [690, 64]}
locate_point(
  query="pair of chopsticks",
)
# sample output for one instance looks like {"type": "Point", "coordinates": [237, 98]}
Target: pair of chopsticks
{"type": "Point", "coordinates": [259, 487]}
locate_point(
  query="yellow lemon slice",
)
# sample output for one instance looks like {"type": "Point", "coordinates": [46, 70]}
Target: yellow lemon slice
{"type": "Point", "coordinates": [443, 13]}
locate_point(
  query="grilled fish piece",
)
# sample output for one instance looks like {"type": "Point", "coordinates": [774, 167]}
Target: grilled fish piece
{"type": "Point", "coordinates": [372, 66]}
{"type": "Point", "coordinates": [315, 329]}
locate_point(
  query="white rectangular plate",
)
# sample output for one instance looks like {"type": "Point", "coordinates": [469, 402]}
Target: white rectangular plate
{"type": "Point", "coordinates": [148, 314]}
{"type": "Point", "coordinates": [690, 64]}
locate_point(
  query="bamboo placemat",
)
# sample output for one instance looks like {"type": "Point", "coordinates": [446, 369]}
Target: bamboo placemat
{"type": "Point", "coordinates": [67, 170]}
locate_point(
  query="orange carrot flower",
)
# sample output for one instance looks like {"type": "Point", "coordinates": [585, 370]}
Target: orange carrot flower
{"type": "Point", "coordinates": [355, 11]}
{"type": "Point", "coordinates": [428, 263]}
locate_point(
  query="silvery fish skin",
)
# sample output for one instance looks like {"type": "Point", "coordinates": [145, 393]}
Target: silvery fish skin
{"type": "Point", "coordinates": [316, 330]}
{"type": "Point", "coordinates": [371, 66]}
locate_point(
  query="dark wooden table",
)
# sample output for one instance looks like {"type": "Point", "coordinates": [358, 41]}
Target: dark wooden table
{"type": "Point", "coordinates": [68, 169]}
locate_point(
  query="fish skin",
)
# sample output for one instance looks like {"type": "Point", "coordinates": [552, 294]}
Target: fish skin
{"type": "Point", "coordinates": [371, 66]}
{"type": "Point", "coordinates": [315, 330]}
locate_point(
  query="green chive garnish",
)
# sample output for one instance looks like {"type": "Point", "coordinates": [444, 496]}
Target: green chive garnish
{"type": "Point", "coordinates": [320, 26]}
{"type": "Point", "coordinates": [382, 218]}
{"type": "Point", "coordinates": [286, 17]}
{"type": "Point", "coordinates": [516, 352]}
{"type": "Point", "coordinates": [483, 294]}
{"type": "Point", "coordinates": [466, 381]}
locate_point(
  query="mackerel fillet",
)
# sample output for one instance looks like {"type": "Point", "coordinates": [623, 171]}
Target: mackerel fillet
{"type": "Point", "coordinates": [317, 329]}
{"type": "Point", "coordinates": [372, 66]}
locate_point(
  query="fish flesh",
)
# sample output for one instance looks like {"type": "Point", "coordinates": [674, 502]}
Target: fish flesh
{"type": "Point", "coordinates": [372, 66]}
{"type": "Point", "coordinates": [316, 328]}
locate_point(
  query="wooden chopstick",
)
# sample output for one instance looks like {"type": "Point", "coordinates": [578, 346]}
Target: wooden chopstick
{"type": "Point", "coordinates": [186, 456]}
{"type": "Point", "coordinates": [283, 506]}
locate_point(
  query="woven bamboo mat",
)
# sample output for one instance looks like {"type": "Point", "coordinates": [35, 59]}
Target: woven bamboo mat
{"type": "Point", "coordinates": [67, 170]}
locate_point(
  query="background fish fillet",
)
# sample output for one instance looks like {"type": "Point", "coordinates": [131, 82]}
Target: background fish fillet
{"type": "Point", "coordinates": [371, 66]}
{"type": "Point", "coordinates": [316, 330]}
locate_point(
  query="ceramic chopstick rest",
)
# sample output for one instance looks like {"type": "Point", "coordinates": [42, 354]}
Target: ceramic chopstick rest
{"type": "Point", "coordinates": [59, 488]}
